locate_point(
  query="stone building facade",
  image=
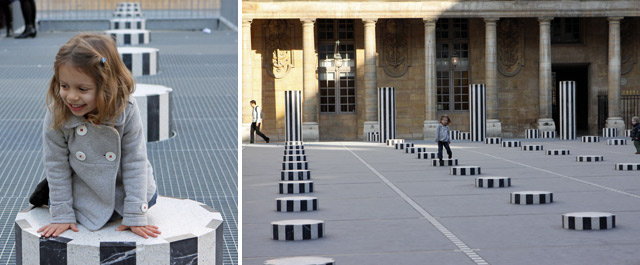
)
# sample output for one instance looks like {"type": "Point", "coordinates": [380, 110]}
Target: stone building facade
{"type": "Point", "coordinates": [519, 49]}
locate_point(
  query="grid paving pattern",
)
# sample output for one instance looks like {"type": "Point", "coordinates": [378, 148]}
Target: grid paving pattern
{"type": "Point", "coordinates": [199, 163]}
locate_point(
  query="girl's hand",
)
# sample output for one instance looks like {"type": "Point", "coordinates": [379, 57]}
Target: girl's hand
{"type": "Point", "coordinates": [56, 229]}
{"type": "Point", "coordinates": [143, 231]}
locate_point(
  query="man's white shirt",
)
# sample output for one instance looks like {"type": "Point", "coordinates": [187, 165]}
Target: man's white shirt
{"type": "Point", "coordinates": [255, 114]}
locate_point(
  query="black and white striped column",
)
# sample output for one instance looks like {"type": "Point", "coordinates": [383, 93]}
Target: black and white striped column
{"type": "Point", "coordinates": [465, 170]}
{"type": "Point", "coordinates": [588, 221]}
{"type": "Point", "coordinates": [532, 147]}
{"type": "Point", "coordinates": [414, 150]}
{"type": "Point", "coordinates": [628, 166]}
{"type": "Point", "coordinates": [393, 142]}
{"type": "Point", "coordinates": [294, 158]}
{"type": "Point", "coordinates": [128, 23]}
{"type": "Point", "coordinates": [465, 136]}
{"type": "Point", "coordinates": [296, 204]}
{"type": "Point", "coordinates": [548, 134]}
{"type": "Point", "coordinates": [627, 133]}
{"type": "Point", "coordinates": [294, 151]}
{"type": "Point", "coordinates": [306, 260]}
{"type": "Point", "coordinates": [387, 113]}
{"type": "Point", "coordinates": [493, 182]}
{"type": "Point", "coordinates": [558, 152]}
{"type": "Point", "coordinates": [373, 137]}
{"type": "Point", "coordinates": [129, 36]}
{"type": "Point", "coordinates": [295, 187]}
{"type": "Point", "coordinates": [454, 134]}
{"type": "Point", "coordinates": [427, 155]}
{"type": "Point", "coordinates": [589, 158]}
{"type": "Point", "coordinates": [444, 162]}
{"type": "Point", "coordinates": [616, 142]}
{"type": "Point", "coordinates": [297, 229]}
{"type": "Point", "coordinates": [154, 103]}
{"type": "Point", "coordinates": [609, 132]}
{"type": "Point", "coordinates": [493, 140]}
{"type": "Point", "coordinates": [567, 110]}
{"type": "Point", "coordinates": [295, 165]}
{"type": "Point", "coordinates": [140, 61]}
{"type": "Point", "coordinates": [402, 146]}
{"type": "Point", "coordinates": [533, 133]}
{"type": "Point", "coordinates": [531, 197]}
{"type": "Point", "coordinates": [293, 115]}
{"type": "Point", "coordinates": [511, 144]}
{"type": "Point", "coordinates": [590, 139]}
{"type": "Point", "coordinates": [478, 112]}
{"type": "Point", "coordinates": [292, 175]}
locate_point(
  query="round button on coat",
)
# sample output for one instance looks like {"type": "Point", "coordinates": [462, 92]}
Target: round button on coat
{"type": "Point", "coordinates": [81, 130]}
{"type": "Point", "coordinates": [110, 156]}
{"type": "Point", "coordinates": [81, 156]}
{"type": "Point", "coordinates": [144, 207]}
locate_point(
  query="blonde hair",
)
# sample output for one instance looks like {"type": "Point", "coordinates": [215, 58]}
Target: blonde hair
{"type": "Point", "coordinates": [445, 116]}
{"type": "Point", "coordinates": [113, 80]}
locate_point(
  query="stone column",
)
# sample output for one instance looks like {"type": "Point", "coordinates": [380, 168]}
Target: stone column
{"type": "Point", "coordinates": [494, 127]}
{"type": "Point", "coordinates": [614, 120]}
{"type": "Point", "coordinates": [430, 85]}
{"type": "Point", "coordinates": [247, 79]}
{"type": "Point", "coordinates": [545, 120]}
{"type": "Point", "coordinates": [370, 78]}
{"type": "Point", "coordinates": [310, 129]}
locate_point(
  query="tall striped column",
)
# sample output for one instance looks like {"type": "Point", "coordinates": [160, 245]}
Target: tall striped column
{"type": "Point", "coordinates": [567, 110]}
{"type": "Point", "coordinates": [293, 115]}
{"type": "Point", "coordinates": [478, 112]}
{"type": "Point", "coordinates": [387, 113]}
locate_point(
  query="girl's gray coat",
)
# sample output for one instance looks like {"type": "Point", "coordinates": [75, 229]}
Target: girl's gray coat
{"type": "Point", "coordinates": [90, 188]}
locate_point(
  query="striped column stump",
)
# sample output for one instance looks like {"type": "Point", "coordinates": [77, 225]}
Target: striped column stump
{"type": "Point", "coordinates": [454, 134]}
{"type": "Point", "coordinates": [293, 115]}
{"type": "Point", "coordinates": [628, 166]}
{"type": "Point", "coordinates": [532, 147]}
{"type": "Point", "coordinates": [400, 146]}
{"type": "Point", "coordinates": [567, 110]}
{"type": "Point", "coordinates": [301, 261]}
{"type": "Point", "coordinates": [373, 137]}
{"type": "Point", "coordinates": [558, 152]}
{"type": "Point", "coordinates": [493, 182]}
{"type": "Point", "coordinates": [293, 175]}
{"type": "Point", "coordinates": [465, 136]}
{"type": "Point", "coordinates": [154, 103]}
{"type": "Point", "coordinates": [414, 150]}
{"type": "Point", "coordinates": [295, 165]}
{"type": "Point", "coordinates": [295, 187]}
{"type": "Point", "coordinates": [128, 23]}
{"type": "Point", "coordinates": [128, 8]}
{"type": "Point", "coordinates": [301, 158]}
{"type": "Point", "coordinates": [532, 133]}
{"type": "Point", "coordinates": [199, 242]}
{"type": "Point", "coordinates": [531, 197]}
{"type": "Point", "coordinates": [140, 61]}
{"type": "Point", "coordinates": [296, 204]}
{"type": "Point", "coordinates": [609, 132]}
{"type": "Point", "coordinates": [548, 134]}
{"type": "Point", "coordinates": [493, 140]}
{"type": "Point", "coordinates": [465, 170]}
{"type": "Point", "coordinates": [293, 143]}
{"type": "Point", "coordinates": [616, 141]}
{"type": "Point", "coordinates": [302, 229]}
{"type": "Point", "coordinates": [294, 152]}
{"type": "Point", "coordinates": [511, 144]}
{"type": "Point", "coordinates": [588, 221]}
{"type": "Point", "coordinates": [444, 162]}
{"type": "Point", "coordinates": [627, 133]}
{"type": "Point", "coordinates": [129, 36]}
{"type": "Point", "coordinates": [589, 158]}
{"type": "Point", "coordinates": [128, 4]}
{"type": "Point", "coordinates": [127, 14]}
{"type": "Point", "coordinates": [393, 142]}
{"type": "Point", "coordinates": [387, 112]}
{"type": "Point", "coordinates": [427, 155]}
{"type": "Point", "coordinates": [293, 147]}
{"type": "Point", "coordinates": [478, 112]}
{"type": "Point", "coordinates": [590, 139]}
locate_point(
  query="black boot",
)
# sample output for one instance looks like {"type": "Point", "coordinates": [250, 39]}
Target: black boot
{"type": "Point", "coordinates": [29, 32]}
{"type": "Point", "coordinates": [9, 31]}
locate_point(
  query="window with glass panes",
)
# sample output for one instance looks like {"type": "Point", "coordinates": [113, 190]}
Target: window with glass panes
{"type": "Point", "coordinates": [452, 37]}
{"type": "Point", "coordinates": [337, 87]}
{"type": "Point", "coordinates": [565, 30]}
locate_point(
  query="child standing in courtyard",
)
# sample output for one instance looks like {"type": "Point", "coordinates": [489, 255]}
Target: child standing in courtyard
{"type": "Point", "coordinates": [94, 148]}
{"type": "Point", "coordinates": [635, 133]}
{"type": "Point", "coordinates": [442, 136]}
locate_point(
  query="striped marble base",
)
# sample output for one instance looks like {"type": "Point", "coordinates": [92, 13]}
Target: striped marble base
{"type": "Point", "coordinates": [307, 260]}
{"type": "Point", "coordinates": [548, 134]}
{"type": "Point", "coordinates": [295, 187]}
{"type": "Point", "coordinates": [293, 143]}
{"type": "Point", "coordinates": [590, 139]}
{"type": "Point", "coordinates": [287, 158]}
{"type": "Point", "coordinates": [609, 132]}
{"type": "Point", "coordinates": [628, 166]}
{"type": "Point", "coordinates": [589, 158]}
{"type": "Point", "coordinates": [493, 182]}
{"type": "Point", "coordinates": [296, 204]}
{"type": "Point", "coordinates": [493, 140]}
{"type": "Point", "coordinates": [427, 155]}
{"type": "Point", "coordinates": [465, 136]}
{"type": "Point", "coordinates": [140, 61]}
{"type": "Point", "coordinates": [532, 133]}
{"type": "Point", "coordinates": [588, 221]}
{"type": "Point", "coordinates": [413, 150]}
{"type": "Point", "coordinates": [154, 103]}
{"type": "Point", "coordinates": [532, 147]}
{"type": "Point", "coordinates": [294, 152]}
{"type": "Point", "coordinates": [627, 133]}
{"type": "Point", "coordinates": [401, 146]}
{"type": "Point", "coordinates": [295, 165]}
{"type": "Point", "coordinates": [511, 144]}
{"type": "Point", "coordinates": [531, 197]}
{"type": "Point", "coordinates": [294, 147]}
{"type": "Point", "coordinates": [292, 175]}
{"type": "Point", "coordinates": [454, 134]}
{"type": "Point", "coordinates": [616, 142]}
{"type": "Point", "coordinates": [129, 36]}
{"type": "Point", "coordinates": [464, 170]}
{"type": "Point", "coordinates": [558, 152]}
{"type": "Point", "coordinates": [393, 142]}
{"type": "Point", "coordinates": [444, 162]}
{"type": "Point", "coordinates": [298, 229]}
{"type": "Point", "coordinates": [128, 23]}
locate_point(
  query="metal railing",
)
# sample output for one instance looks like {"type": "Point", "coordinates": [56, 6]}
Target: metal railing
{"type": "Point", "coordinates": [103, 9]}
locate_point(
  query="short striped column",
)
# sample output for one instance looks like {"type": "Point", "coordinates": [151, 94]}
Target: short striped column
{"type": "Point", "coordinates": [567, 110]}
{"type": "Point", "coordinates": [306, 260]}
{"type": "Point", "coordinates": [293, 143]}
{"type": "Point", "coordinates": [297, 229]}
{"type": "Point", "coordinates": [294, 165]}
{"type": "Point", "coordinates": [294, 151]}
{"type": "Point", "coordinates": [444, 162]}
{"type": "Point", "coordinates": [129, 36]}
{"type": "Point", "coordinates": [478, 112]}
{"type": "Point", "coordinates": [589, 158]}
{"type": "Point", "coordinates": [628, 166]}
{"type": "Point", "coordinates": [154, 103]}
{"type": "Point", "coordinates": [548, 134]}
{"type": "Point", "coordinates": [296, 204]}
{"type": "Point", "coordinates": [414, 150]}
{"type": "Point", "coordinates": [294, 158]}
{"type": "Point", "coordinates": [532, 147]}
{"type": "Point", "coordinates": [464, 170]}
{"type": "Point", "coordinates": [402, 146]}
{"type": "Point", "coordinates": [627, 133]}
{"type": "Point", "coordinates": [588, 221]}
{"type": "Point", "coordinates": [427, 155]}
{"type": "Point", "coordinates": [493, 182]}
{"type": "Point", "coordinates": [493, 140]}
{"type": "Point", "coordinates": [293, 115]}
{"type": "Point", "coordinates": [511, 144]}
{"type": "Point", "coordinates": [454, 134]}
{"type": "Point", "coordinates": [373, 137]}
{"type": "Point", "coordinates": [609, 132]}
{"type": "Point", "coordinates": [393, 142]}
{"type": "Point", "coordinates": [140, 61]}
{"type": "Point", "coordinates": [294, 147]}
{"type": "Point", "coordinates": [590, 139]}
{"type": "Point", "coordinates": [128, 23]}
{"type": "Point", "coordinates": [387, 113]}
{"type": "Point", "coordinates": [558, 152]}
{"type": "Point", "coordinates": [616, 141]}
{"type": "Point", "coordinates": [293, 175]}
{"type": "Point", "coordinates": [295, 187]}
{"type": "Point", "coordinates": [531, 197]}
{"type": "Point", "coordinates": [532, 133]}
{"type": "Point", "coordinates": [465, 136]}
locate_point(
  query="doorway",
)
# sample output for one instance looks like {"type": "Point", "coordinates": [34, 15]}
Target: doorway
{"type": "Point", "coordinates": [580, 74]}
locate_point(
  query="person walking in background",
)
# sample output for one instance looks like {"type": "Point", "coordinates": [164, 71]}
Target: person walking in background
{"type": "Point", "coordinates": [5, 12]}
{"type": "Point", "coordinates": [29, 13]}
{"type": "Point", "coordinates": [442, 136]}
{"type": "Point", "coordinates": [256, 115]}
{"type": "Point", "coordinates": [635, 133]}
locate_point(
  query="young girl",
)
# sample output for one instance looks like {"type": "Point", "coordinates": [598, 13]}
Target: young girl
{"type": "Point", "coordinates": [95, 154]}
{"type": "Point", "coordinates": [442, 136]}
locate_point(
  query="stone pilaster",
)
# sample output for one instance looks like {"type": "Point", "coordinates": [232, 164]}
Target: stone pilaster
{"type": "Point", "coordinates": [430, 85]}
{"type": "Point", "coordinates": [370, 77]}
{"type": "Point", "coordinates": [545, 121]}
{"type": "Point", "coordinates": [494, 127]}
{"type": "Point", "coordinates": [310, 129]}
{"type": "Point", "coordinates": [247, 80]}
{"type": "Point", "coordinates": [614, 120]}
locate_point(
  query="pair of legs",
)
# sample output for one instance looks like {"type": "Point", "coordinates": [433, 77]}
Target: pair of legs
{"type": "Point", "coordinates": [5, 8]}
{"type": "Point", "coordinates": [29, 13]}
{"type": "Point", "coordinates": [446, 145]}
{"type": "Point", "coordinates": [256, 129]}
{"type": "Point", "coordinates": [637, 145]}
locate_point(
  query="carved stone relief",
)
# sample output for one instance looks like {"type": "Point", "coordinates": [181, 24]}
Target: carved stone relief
{"type": "Point", "coordinates": [278, 43]}
{"type": "Point", "coordinates": [395, 47]}
{"type": "Point", "coordinates": [628, 45]}
{"type": "Point", "coordinates": [510, 46]}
